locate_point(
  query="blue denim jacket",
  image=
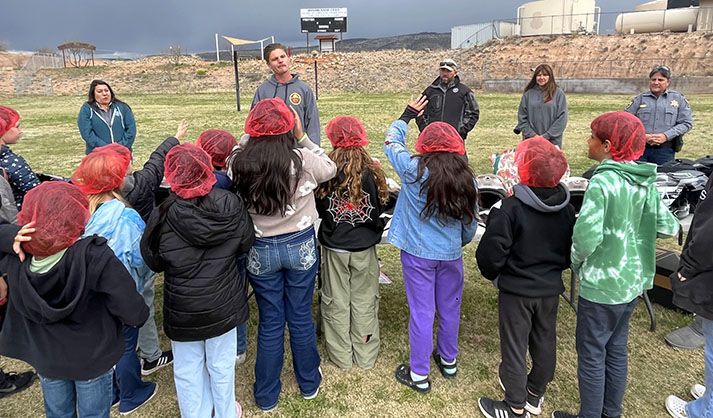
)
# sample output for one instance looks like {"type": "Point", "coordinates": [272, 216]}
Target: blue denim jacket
{"type": "Point", "coordinates": [409, 231]}
{"type": "Point", "coordinates": [122, 227]}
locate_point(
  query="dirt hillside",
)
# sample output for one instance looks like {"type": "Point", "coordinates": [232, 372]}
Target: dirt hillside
{"type": "Point", "coordinates": [393, 70]}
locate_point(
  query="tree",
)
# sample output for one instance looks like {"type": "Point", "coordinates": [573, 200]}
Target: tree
{"type": "Point", "coordinates": [46, 51]}
{"type": "Point", "coordinates": [174, 53]}
{"type": "Point", "coordinates": [4, 46]}
{"type": "Point", "coordinates": [78, 54]}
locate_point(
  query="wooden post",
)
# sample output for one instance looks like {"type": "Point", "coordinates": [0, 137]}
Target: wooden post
{"type": "Point", "coordinates": [237, 80]}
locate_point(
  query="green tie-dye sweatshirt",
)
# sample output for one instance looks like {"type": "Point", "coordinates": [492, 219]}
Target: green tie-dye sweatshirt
{"type": "Point", "coordinates": [615, 235]}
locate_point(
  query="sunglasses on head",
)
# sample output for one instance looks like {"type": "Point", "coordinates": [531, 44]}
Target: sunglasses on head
{"type": "Point", "coordinates": [446, 64]}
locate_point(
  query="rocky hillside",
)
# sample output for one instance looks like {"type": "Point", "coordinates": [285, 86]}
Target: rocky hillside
{"type": "Point", "coordinates": [401, 70]}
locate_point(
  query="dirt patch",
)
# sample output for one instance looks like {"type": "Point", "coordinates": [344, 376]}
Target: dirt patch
{"type": "Point", "coordinates": [572, 56]}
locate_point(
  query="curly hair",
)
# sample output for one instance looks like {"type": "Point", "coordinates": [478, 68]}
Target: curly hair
{"type": "Point", "coordinates": [266, 172]}
{"type": "Point", "coordinates": [449, 188]}
{"type": "Point", "coordinates": [353, 162]}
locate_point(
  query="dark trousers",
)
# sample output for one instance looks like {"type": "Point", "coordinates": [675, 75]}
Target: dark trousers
{"type": "Point", "coordinates": [602, 359]}
{"type": "Point", "coordinates": [527, 323]}
{"type": "Point", "coordinates": [657, 155]}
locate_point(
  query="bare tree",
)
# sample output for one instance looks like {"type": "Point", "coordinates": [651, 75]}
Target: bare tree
{"type": "Point", "coordinates": [174, 54]}
{"type": "Point", "coordinates": [78, 54]}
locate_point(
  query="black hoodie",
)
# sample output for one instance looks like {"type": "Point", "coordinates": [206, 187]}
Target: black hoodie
{"type": "Point", "coordinates": [199, 242]}
{"type": "Point", "coordinates": [526, 244]}
{"type": "Point", "coordinates": [67, 323]}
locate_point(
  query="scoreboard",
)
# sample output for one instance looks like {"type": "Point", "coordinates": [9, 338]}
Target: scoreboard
{"type": "Point", "coordinates": [323, 20]}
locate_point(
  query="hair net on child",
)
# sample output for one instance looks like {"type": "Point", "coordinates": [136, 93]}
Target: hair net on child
{"type": "Point", "coordinates": [60, 211]}
{"type": "Point", "coordinates": [103, 169]}
{"type": "Point", "coordinates": [269, 117]}
{"type": "Point", "coordinates": [625, 132]}
{"type": "Point", "coordinates": [218, 144]}
{"type": "Point", "coordinates": [346, 131]}
{"type": "Point", "coordinates": [189, 171]}
{"type": "Point", "coordinates": [8, 119]}
{"type": "Point", "coordinates": [539, 162]}
{"type": "Point", "coordinates": [440, 136]}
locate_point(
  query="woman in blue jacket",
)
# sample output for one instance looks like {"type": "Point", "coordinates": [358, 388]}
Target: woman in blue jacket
{"type": "Point", "coordinates": [104, 119]}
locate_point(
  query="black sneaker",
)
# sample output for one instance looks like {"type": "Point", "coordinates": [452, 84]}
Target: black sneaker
{"type": "Point", "coordinates": [498, 409]}
{"type": "Point", "coordinates": [148, 367]}
{"type": "Point", "coordinates": [562, 414]}
{"type": "Point", "coordinates": [15, 382]}
{"type": "Point", "coordinates": [534, 404]}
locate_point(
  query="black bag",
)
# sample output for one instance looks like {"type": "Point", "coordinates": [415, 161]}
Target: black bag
{"type": "Point", "coordinates": [677, 143]}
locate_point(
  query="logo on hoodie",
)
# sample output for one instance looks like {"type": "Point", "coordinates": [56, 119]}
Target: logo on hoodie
{"type": "Point", "coordinates": [295, 98]}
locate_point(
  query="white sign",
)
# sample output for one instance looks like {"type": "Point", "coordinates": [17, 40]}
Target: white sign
{"type": "Point", "coordinates": [324, 12]}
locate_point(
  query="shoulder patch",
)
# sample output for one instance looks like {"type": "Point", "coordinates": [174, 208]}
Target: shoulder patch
{"type": "Point", "coordinates": [630, 103]}
{"type": "Point", "coordinates": [295, 99]}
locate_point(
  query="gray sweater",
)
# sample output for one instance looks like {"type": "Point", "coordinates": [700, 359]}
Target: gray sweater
{"type": "Point", "coordinates": [296, 94]}
{"type": "Point", "coordinates": [535, 117]}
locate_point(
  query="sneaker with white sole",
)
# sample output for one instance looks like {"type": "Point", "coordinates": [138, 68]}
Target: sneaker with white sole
{"type": "Point", "coordinates": [676, 406]}
{"type": "Point", "coordinates": [533, 404]}
{"type": "Point", "coordinates": [498, 409]}
{"type": "Point", "coordinates": [316, 392]}
{"type": "Point", "coordinates": [148, 367]}
{"type": "Point", "coordinates": [155, 391]}
{"type": "Point", "coordinates": [240, 358]}
{"type": "Point", "coordinates": [563, 414]}
{"type": "Point", "coordinates": [697, 391]}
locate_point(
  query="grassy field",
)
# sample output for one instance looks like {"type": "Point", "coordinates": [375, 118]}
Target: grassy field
{"type": "Point", "coordinates": [51, 144]}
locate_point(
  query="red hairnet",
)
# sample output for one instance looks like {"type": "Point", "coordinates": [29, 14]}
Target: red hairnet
{"type": "Point", "coordinates": [346, 131]}
{"type": "Point", "coordinates": [539, 162]}
{"type": "Point", "coordinates": [269, 117]}
{"type": "Point", "coordinates": [218, 144]}
{"type": "Point", "coordinates": [103, 169]}
{"type": "Point", "coordinates": [625, 132]}
{"type": "Point", "coordinates": [440, 136]}
{"type": "Point", "coordinates": [8, 119]}
{"type": "Point", "coordinates": [60, 211]}
{"type": "Point", "coordinates": [189, 171]}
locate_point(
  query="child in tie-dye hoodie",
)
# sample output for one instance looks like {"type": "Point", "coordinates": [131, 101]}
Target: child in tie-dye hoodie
{"type": "Point", "coordinates": [613, 253]}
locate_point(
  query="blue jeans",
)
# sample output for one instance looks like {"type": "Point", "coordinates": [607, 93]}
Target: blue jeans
{"type": "Point", "coordinates": [657, 155]}
{"type": "Point", "coordinates": [131, 390]}
{"type": "Point", "coordinates": [204, 374]}
{"type": "Point", "coordinates": [91, 398]}
{"type": "Point", "coordinates": [282, 270]}
{"type": "Point", "coordinates": [703, 406]}
{"type": "Point", "coordinates": [602, 359]}
{"type": "Point", "coordinates": [148, 334]}
{"type": "Point", "coordinates": [242, 330]}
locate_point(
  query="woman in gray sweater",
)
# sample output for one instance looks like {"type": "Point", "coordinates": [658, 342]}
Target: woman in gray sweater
{"type": "Point", "coordinates": [543, 107]}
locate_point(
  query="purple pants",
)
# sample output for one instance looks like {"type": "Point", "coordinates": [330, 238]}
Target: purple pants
{"type": "Point", "coordinates": [432, 286]}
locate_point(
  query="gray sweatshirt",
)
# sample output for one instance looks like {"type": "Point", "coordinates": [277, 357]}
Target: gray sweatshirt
{"type": "Point", "coordinates": [296, 94]}
{"type": "Point", "coordinates": [535, 117]}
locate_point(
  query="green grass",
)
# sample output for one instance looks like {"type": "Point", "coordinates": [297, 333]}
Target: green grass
{"type": "Point", "coordinates": [51, 144]}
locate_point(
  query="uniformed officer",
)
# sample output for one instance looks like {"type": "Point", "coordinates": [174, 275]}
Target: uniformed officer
{"type": "Point", "coordinates": [665, 114]}
{"type": "Point", "coordinates": [449, 101]}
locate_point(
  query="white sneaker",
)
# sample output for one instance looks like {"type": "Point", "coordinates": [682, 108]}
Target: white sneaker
{"type": "Point", "coordinates": [240, 358]}
{"type": "Point", "coordinates": [697, 391]}
{"type": "Point", "coordinates": [676, 406]}
{"type": "Point", "coordinates": [316, 392]}
{"type": "Point", "coordinates": [533, 404]}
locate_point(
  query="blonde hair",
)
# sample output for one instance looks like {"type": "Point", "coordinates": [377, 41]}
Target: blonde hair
{"type": "Point", "coordinates": [95, 200]}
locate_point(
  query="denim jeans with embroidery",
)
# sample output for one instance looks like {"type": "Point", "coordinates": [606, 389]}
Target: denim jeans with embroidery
{"type": "Point", "coordinates": [282, 270]}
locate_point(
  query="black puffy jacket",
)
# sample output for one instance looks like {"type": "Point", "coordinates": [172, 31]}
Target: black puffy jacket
{"type": "Point", "coordinates": [196, 242]}
{"type": "Point", "coordinates": [140, 187]}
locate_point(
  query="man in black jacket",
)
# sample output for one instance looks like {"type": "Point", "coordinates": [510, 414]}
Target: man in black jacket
{"type": "Point", "coordinates": [450, 101]}
{"type": "Point", "coordinates": [692, 287]}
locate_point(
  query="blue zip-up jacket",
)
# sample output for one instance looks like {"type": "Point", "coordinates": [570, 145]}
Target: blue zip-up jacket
{"type": "Point", "coordinates": [122, 227]}
{"type": "Point", "coordinates": [96, 132]}
{"type": "Point", "coordinates": [409, 231]}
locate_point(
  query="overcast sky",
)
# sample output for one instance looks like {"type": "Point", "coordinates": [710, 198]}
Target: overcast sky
{"type": "Point", "coordinates": [149, 26]}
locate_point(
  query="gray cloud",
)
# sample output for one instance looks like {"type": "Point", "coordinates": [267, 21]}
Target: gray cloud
{"type": "Point", "coordinates": [152, 25]}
